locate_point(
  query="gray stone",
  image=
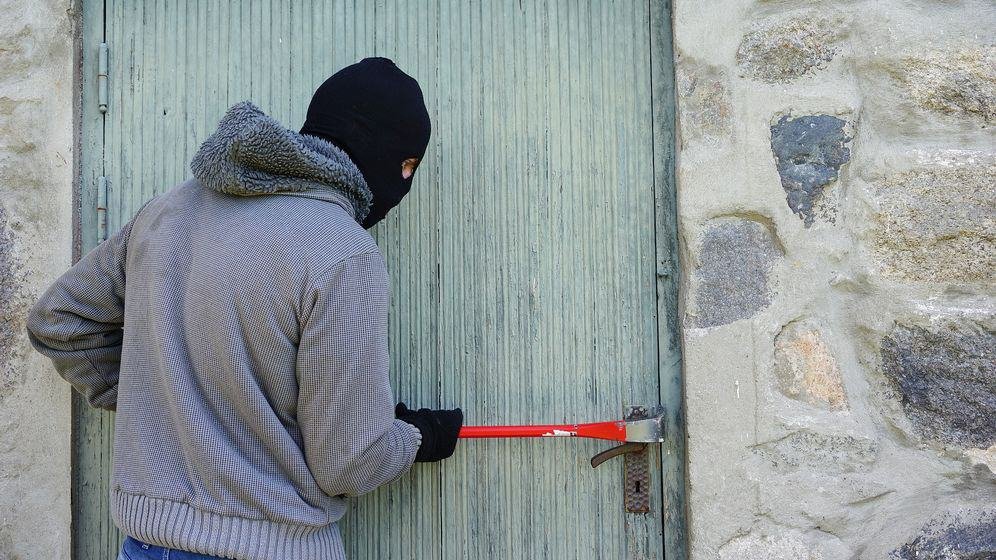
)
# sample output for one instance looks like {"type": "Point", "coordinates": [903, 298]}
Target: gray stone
{"type": "Point", "coordinates": [809, 151]}
{"type": "Point", "coordinates": [957, 82]}
{"type": "Point", "coordinates": [732, 279]}
{"type": "Point", "coordinates": [806, 369]}
{"type": "Point", "coordinates": [945, 377]}
{"type": "Point", "coordinates": [785, 51]}
{"type": "Point", "coordinates": [824, 453]}
{"type": "Point", "coordinates": [936, 222]}
{"type": "Point", "coordinates": [966, 534]}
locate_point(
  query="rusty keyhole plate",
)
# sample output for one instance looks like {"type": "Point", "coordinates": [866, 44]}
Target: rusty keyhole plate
{"type": "Point", "coordinates": [637, 470]}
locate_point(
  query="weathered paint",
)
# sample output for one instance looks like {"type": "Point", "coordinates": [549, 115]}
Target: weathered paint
{"type": "Point", "coordinates": [561, 433]}
{"type": "Point", "coordinates": [668, 272]}
{"type": "Point", "coordinates": [532, 265]}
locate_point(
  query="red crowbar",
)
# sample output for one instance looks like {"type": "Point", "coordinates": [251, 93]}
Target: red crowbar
{"type": "Point", "coordinates": [636, 433]}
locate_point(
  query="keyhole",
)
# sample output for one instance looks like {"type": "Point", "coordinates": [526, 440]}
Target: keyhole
{"type": "Point", "coordinates": [637, 486]}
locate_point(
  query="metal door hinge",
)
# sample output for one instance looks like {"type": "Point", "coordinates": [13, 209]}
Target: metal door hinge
{"type": "Point", "coordinates": [102, 78]}
{"type": "Point", "coordinates": [101, 208]}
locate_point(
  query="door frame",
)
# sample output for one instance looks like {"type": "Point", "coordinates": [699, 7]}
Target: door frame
{"type": "Point", "coordinates": [669, 361]}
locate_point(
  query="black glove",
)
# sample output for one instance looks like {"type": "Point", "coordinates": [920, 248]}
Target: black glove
{"type": "Point", "coordinates": [439, 428]}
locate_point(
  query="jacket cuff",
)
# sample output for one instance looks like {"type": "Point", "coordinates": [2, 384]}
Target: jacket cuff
{"type": "Point", "coordinates": [406, 440]}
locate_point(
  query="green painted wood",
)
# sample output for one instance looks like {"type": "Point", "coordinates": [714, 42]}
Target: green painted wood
{"type": "Point", "coordinates": [524, 264]}
{"type": "Point", "coordinates": [92, 429]}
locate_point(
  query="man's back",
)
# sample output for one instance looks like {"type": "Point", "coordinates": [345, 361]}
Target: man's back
{"type": "Point", "coordinates": [248, 310]}
{"type": "Point", "coordinates": [215, 288]}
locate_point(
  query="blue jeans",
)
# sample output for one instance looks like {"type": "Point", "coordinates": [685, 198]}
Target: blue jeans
{"type": "Point", "coordinates": [134, 549]}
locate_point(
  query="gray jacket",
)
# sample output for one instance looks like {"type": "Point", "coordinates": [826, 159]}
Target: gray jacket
{"type": "Point", "coordinates": [238, 325]}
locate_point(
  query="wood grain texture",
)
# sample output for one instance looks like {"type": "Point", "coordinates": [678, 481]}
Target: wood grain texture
{"type": "Point", "coordinates": [524, 264]}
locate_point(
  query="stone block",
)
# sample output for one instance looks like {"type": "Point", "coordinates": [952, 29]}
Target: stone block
{"type": "Point", "coordinates": [945, 378]}
{"type": "Point", "coordinates": [806, 369]}
{"type": "Point", "coordinates": [936, 223]}
{"type": "Point", "coordinates": [703, 100]}
{"type": "Point", "coordinates": [809, 151]}
{"type": "Point", "coordinates": [818, 452]}
{"type": "Point", "coordinates": [732, 277]}
{"type": "Point", "coordinates": [956, 82]}
{"type": "Point", "coordinates": [784, 51]}
{"type": "Point", "coordinates": [963, 534]}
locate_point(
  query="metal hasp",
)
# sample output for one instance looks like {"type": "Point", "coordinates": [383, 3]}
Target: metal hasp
{"type": "Point", "coordinates": [643, 425]}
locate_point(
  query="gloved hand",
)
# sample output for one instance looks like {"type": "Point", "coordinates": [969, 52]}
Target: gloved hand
{"type": "Point", "coordinates": [439, 428]}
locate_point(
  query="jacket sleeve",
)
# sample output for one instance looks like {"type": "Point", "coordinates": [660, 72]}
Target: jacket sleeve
{"type": "Point", "coordinates": [78, 321]}
{"type": "Point", "coordinates": [352, 441]}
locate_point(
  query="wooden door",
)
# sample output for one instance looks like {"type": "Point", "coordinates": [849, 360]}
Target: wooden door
{"type": "Point", "coordinates": [532, 266]}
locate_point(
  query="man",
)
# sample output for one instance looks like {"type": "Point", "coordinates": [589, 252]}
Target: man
{"type": "Point", "coordinates": [238, 326]}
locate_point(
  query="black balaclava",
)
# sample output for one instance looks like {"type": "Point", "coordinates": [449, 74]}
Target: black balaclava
{"type": "Point", "coordinates": [375, 113]}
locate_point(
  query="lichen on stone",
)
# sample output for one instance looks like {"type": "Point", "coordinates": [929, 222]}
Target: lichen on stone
{"type": "Point", "coordinates": [809, 151]}
{"type": "Point", "coordinates": [732, 280]}
{"type": "Point", "coordinates": [937, 223]}
{"type": "Point", "coordinates": [945, 379]}
{"type": "Point", "coordinates": [704, 109]}
{"type": "Point", "coordinates": [785, 51]}
{"type": "Point", "coordinates": [952, 82]}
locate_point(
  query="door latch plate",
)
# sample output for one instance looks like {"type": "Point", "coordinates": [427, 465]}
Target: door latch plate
{"type": "Point", "coordinates": [637, 470]}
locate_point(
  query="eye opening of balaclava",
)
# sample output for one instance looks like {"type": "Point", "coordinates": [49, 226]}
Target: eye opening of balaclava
{"type": "Point", "coordinates": [375, 113]}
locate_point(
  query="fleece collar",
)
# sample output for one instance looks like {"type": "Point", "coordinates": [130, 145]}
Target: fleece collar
{"type": "Point", "coordinates": [252, 154]}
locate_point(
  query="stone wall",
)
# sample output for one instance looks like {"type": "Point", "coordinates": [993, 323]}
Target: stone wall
{"type": "Point", "coordinates": [837, 208]}
{"type": "Point", "coordinates": [36, 192]}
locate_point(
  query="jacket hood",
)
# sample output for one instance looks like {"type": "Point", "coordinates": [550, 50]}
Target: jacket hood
{"type": "Point", "coordinates": [252, 154]}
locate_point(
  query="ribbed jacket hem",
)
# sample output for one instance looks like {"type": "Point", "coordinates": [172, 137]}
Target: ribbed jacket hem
{"type": "Point", "coordinates": [182, 526]}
